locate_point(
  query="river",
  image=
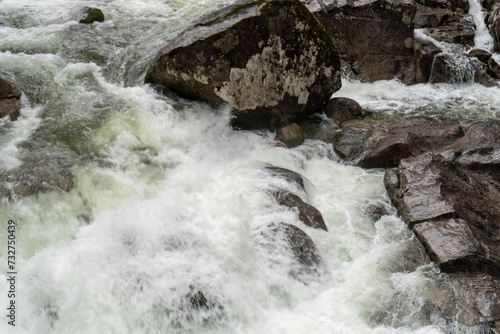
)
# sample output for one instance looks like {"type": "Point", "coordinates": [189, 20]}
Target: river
{"type": "Point", "coordinates": [169, 200]}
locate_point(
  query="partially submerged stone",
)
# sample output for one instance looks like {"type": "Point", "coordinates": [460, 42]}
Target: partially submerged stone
{"type": "Point", "coordinates": [308, 214]}
{"type": "Point", "coordinates": [291, 135]}
{"type": "Point", "coordinates": [270, 60]}
{"type": "Point", "coordinates": [340, 109]}
{"type": "Point", "coordinates": [90, 15]}
{"type": "Point", "coordinates": [10, 100]}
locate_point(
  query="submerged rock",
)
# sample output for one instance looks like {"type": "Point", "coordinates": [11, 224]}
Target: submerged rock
{"type": "Point", "coordinates": [289, 176]}
{"type": "Point", "coordinates": [10, 100]}
{"type": "Point", "coordinates": [270, 60]}
{"type": "Point", "coordinates": [302, 248]}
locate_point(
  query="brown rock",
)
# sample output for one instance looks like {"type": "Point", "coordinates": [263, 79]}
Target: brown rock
{"type": "Point", "coordinates": [375, 37]}
{"type": "Point", "coordinates": [10, 100]}
{"type": "Point", "coordinates": [424, 58]}
{"type": "Point", "coordinates": [291, 135]}
{"type": "Point", "coordinates": [382, 144]}
{"type": "Point", "coordinates": [341, 109]}
{"type": "Point", "coordinates": [428, 17]}
{"type": "Point", "coordinates": [452, 68]}
{"type": "Point", "coordinates": [493, 68]}
{"type": "Point", "coordinates": [270, 60]}
{"type": "Point", "coordinates": [480, 54]}
{"type": "Point", "coordinates": [288, 175]}
{"type": "Point", "coordinates": [483, 78]}
{"type": "Point", "coordinates": [308, 214]}
{"type": "Point", "coordinates": [452, 34]}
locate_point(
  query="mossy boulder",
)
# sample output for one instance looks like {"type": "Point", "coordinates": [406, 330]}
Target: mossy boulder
{"type": "Point", "coordinates": [91, 15]}
{"type": "Point", "coordinates": [272, 61]}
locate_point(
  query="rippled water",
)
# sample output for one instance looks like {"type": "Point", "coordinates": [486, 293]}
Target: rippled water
{"type": "Point", "coordinates": [169, 200]}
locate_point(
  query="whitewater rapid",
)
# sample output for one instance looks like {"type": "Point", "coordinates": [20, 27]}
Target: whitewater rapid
{"type": "Point", "coordinates": [169, 200]}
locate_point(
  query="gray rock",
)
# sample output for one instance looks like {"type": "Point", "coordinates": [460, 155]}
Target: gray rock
{"type": "Point", "coordinates": [10, 100]}
{"type": "Point", "coordinates": [270, 60]}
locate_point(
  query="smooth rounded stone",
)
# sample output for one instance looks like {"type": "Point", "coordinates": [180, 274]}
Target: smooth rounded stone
{"type": "Point", "coordinates": [271, 61]}
{"type": "Point", "coordinates": [288, 175]}
{"type": "Point", "coordinates": [10, 100]}
{"type": "Point", "coordinates": [308, 214]}
{"type": "Point", "coordinates": [299, 244]}
{"type": "Point", "coordinates": [341, 109]}
{"type": "Point", "coordinates": [480, 54]}
{"type": "Point", "coordinates": [291, 135]}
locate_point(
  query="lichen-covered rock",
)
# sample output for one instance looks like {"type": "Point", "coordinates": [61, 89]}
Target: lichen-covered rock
{"type": "Point", "coordinates": [10, 100]}
{"type": "Point", "coordinates": [341, 109]}
{"type": "Point", "coordinates": [374, 36]}
{"type": "Point", "coordinates": [291, 135]}
{"type": "Point", "coordinates": [270, 60]}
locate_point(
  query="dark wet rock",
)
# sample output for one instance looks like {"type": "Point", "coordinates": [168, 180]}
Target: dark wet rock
{"type": "Point", "coordinates": [10, 100]}
{"type": "Point", "coordinates": [308, 214]}
{"type": "Point", "coordinates": [89, 15]}
{"type": "Point", "coordinates": [375, 37]}
{"type": "Point", "coordinates": [483, 78]}
{"type": "Point", "coordinates": [270, 60]}
{"type": "Point", "coordinates": [381, 144]}
{"type": "Point", "coordinates": [452, 34]}
{"type": "Point", "coordinates": [291, 135]}
{"type": "Point", "coordinates": [493, 22]}
{"type": "Point", "coordinates": [428, 17]}
{"type": "Point", "coordinates": [425, 51]}
{"type": "Point", "coordinates": [493, 68]}
{"type": "Point", "coordinates": [452, 68]}
{"type": "Point", "coordinates": [461, 6]}
{"type": "Point", "coordinates": [301, 246]}
{"type": "Point", "coordinates": [453, 209]}
{"type": "Point", "coordinates": [480, 54]}
{"type": "Point", "coordinates": [288, 175]}
{"type": "Point", "coordinates": [341, 109]}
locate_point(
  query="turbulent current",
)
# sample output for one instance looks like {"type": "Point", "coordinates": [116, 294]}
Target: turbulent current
{"type": "Point", "coordinates": [160, 232]}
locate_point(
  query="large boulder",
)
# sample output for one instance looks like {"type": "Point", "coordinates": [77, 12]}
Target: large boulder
{"type": "Point", "coordinates": [10, 100]}
{"type": "Point", "coordinates": [270, 60]}
{"type": "Point", "coordinates": [375, 37]}
{"type": "Point", "coordinates": [493, 22]}
{"type": "Point", "coordinates": [382, 144]}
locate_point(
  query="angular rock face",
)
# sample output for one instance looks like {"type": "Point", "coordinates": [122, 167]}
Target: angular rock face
{"type": "Point", "coordinates": [270, 60]}
{"type": "Point", "coordinates": [493, 21]}
{"type": "Point", "coordinates": [10, 100]}
{"type": "Point", "coordinates": [425, 51]}
{"type": "Point", "coordinates": [375, 37]}
{"type": "Point", "coordinates": [454, 211]}
{"type": "Point", "coordinates": [382, 144]}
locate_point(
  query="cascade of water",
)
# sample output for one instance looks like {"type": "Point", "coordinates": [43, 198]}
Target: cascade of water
{"type": "Point", "coordinates": [482, 39]}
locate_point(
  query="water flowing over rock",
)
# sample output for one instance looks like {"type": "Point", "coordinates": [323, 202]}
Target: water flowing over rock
{"type": "Point", "coordinates": [308, 214]}
{"type": "Point", "coordinates": [10, 100]}
{"type": "Point", "coordinates": [270, 60]}
{"type": "Point", "coordinates": [452, 68]}
{"type": "Point", "coordinates": [301, 246]}
{"type": "Point", "coordinates": [382, 144]}
{"type": "Point", "coordinates": [374, 37]}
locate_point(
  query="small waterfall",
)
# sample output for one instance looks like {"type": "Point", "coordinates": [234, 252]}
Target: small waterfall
{"type": "Point", "coordinates": [483, 39]}
{"type": "Point", "coordinates": [452, 68]}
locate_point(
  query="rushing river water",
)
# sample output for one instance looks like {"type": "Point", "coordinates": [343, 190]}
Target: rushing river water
{"type": "Point", "coordinates": [168, 200]}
